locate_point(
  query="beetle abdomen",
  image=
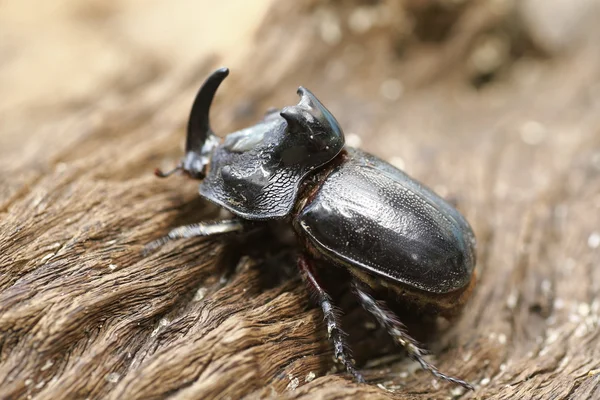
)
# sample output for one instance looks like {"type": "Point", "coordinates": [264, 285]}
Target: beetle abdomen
{"type": "Point", "coordinates": [370, 215]}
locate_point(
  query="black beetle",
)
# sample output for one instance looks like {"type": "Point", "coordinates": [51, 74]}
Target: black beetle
{"type": "Point", "coordinates": [346, 207]}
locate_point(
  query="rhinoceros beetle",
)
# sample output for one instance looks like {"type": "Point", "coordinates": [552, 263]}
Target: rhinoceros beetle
{"type": "Point", "coordinates": [347, 208]}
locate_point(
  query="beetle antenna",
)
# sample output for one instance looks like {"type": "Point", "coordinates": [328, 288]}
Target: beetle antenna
{"type": "Point", "coordinates": [158, 172]}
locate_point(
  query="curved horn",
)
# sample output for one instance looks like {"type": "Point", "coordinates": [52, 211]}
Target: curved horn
{"type": "Point", "coordinates": [199, 124]}
{"type": "Point", "coordinates": [200, 140]}
{"type": "Point", "coordinates": [310, 114]}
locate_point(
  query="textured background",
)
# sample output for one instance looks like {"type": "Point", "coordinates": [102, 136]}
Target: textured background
{"type": "Point", "coordinates": [495, 105]}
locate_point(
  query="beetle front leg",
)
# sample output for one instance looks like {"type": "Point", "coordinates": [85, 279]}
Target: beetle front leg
{"type": "Point", "coordinates": [336, 335]}
{"type": "Point", "coordinates": [397, 330]}
{"type": "Point", "coordinates": [199, 229]}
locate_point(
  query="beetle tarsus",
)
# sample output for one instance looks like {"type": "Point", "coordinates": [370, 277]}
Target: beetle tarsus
{"type": "Point", "coordinates": [332, 319]}
{"type": "Point", "coordinates": [199, 229]}
{"type": "Point", "coordinates": [436, 372]}
{"type": "Point", "coordinates": [397, 330]}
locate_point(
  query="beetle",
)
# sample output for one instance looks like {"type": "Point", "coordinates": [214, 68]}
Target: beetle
{"type": "Point", "coordinates": [346, 207]}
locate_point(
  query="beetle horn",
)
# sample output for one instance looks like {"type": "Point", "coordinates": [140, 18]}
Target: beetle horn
{"type": "Point", "coordinates": [199, 129]}
{"type": "Point", "coordinates": [310, 115]}
{"type": "Point", "coordinates": [296, 116]}
{"type": "Point", "coordinates": [200, 140]}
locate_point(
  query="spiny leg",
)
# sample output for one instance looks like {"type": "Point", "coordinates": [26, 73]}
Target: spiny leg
{"type": "Point", "coordinates": [397, 330]}
{"type": "Point", "coordinates": [336, 335]}
{"type": "Point", "coordinates": [199, 229]}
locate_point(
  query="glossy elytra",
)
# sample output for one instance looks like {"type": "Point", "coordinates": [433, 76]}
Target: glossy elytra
{"type": "Point", "coordinates": [347, 208]}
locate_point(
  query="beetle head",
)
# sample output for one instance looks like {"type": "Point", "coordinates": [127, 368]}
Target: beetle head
{"type": "Point", "coordinates": [200, 140]}
{"type": "Point", "coordinates": [314, 136]}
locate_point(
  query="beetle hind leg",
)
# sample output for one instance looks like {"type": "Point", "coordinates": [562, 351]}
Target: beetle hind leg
{"type": "Point", "coordinates": [198, 229]}
{"type": "Point", "coordinates": [332, 320]}
{"type": "Point", "coordinates": [397, 330]}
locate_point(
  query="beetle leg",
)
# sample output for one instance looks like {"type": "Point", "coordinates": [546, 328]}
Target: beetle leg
{"type": "Point", "coordinates": [335, 333]}
{"type": "Point", "coordinates": [397, 330]}
{"type": "Point", "coordinates": [199, 229]}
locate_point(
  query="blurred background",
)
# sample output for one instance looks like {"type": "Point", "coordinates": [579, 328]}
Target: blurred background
{"type": "Point", "coordinates": [70, 53]}
{"type": "Point", "coordinates": [402, 69]}
{"type": "Point", "coordinates": [494, 104]}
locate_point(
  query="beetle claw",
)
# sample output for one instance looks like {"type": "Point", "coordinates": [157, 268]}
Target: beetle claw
{"type": "Point", "coordinates": [358, 377]}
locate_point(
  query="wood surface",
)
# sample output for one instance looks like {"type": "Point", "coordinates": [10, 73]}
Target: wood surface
{"type": "Point", "coordinates": [495, 105]}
